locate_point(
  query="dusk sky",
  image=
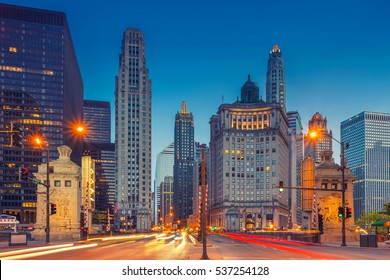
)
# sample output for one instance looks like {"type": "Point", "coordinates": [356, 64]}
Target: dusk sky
{"type": "Point", "coordinates": [336, 54]}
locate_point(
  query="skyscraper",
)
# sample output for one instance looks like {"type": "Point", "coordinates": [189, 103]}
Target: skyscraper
{"type": "Point", "coordinates": [183, 169]}
{"type": "Point", "coordinates": [97, 119]}
{"type": "Point", "coordinates": [368, 156]}
{"type": "Point", "coordinates": [197, 191]}
{"type": "Point", "coordinates": [133, 98]}
{"type": "Point", "coordinates": [275, 83]}
{"type": "Point", "coordinates": [249, 156]}
{"type": "Point", "coordinates": [41, 92]}
{"type": "Point", "coordinates": [323, 142]}
{"type": "Point", "coordinates": [164, 168]}
{"type": "Point", "coordinates": [97, 142]}
{"type": "Point", "coordinates": [296, 158]}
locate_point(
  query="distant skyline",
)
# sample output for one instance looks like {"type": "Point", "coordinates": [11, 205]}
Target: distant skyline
{"type": "Point", "coordinates": [336, 55]}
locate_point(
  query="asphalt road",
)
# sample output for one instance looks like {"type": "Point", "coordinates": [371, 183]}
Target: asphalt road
{"type": "Point", "coordinates": [220, 247]}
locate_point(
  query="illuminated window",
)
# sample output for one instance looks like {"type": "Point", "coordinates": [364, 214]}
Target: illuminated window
{"type": "Point", "coordinates": [12, 49]}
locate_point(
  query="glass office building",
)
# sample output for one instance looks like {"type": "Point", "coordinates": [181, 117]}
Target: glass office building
{"type": "Point", "coordinates": [97, 119]}
{"type": "Point", "coordinates": [41, 92]}
{"type": "Point", "coordinates": [368, 156]}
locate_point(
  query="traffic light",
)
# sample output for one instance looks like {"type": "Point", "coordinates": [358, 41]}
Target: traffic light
{"type": "Point", "coordinates": [53, 208]}
{"type": "Point", "coordinates": [24, 174]}
{"type": "Point", "coordinates": [341, 212]}
{"type": "Point", "coordinates": [16, 136]}
{"type": "Point", "coordinates": [281, 189]}
{"type": "Point", "coordinates": [349, 212]}
{"type": "Point", "coordinates": [82, 222]}
{"type": "Point", "coordinates": [320, 224]}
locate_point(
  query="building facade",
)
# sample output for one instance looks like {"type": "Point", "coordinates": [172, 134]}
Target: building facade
{"type": "Point", "coordinates": [97, 119]}
{"type": "Point", "coordinates": [296, 158]}
{"type": "Point", "coordinates": [166, 202]}
{"type": "Point", "coordinates": [133, 100]}
{"type": "Point", "coordinates": [249, 156]}
{"type": "Point", "coordinates": [164, 168]}
{"type": "Point", "coordinates": [323, 204]}
{"type": "Point", "coordinates": [275, 82]}
{"type": "Point", "coordinates": [104, 156]}
{"type": "Point", "coordinates": [322, 142]}
{"type": "Point", "coordinates": [183, 169]}
{"type": "Point", "coordinates": [197, 190]}
{"type": "Point", "coordinates": [41, 92]}
{"type": "Point", "coordinates": [97, 144]}
{"type": "Point", "coordinates": [368, 156]}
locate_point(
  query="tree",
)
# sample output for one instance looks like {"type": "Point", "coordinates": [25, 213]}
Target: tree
{"type": "Point", "coordinates": [386, 208]}
{"type": "Point", "coordinates": [366, 221]}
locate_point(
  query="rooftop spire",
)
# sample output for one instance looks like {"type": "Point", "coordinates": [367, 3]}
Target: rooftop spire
{"type": "Point", "coordinates": [184, 107]}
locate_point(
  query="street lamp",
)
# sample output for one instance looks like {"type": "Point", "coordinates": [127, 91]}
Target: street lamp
{"type": "Point", "coordinates": [45, 145]}
{"type": "Point", "coordinates": [314, 134]}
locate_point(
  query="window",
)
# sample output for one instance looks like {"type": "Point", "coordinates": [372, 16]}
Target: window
{"type": "Point", "coordinates": [68, 183]}
{"type": "Point", "coordinates": [57, 183]}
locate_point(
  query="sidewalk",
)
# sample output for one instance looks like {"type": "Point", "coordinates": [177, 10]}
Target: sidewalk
{"type": "Point", "coordinates": [381, 245]}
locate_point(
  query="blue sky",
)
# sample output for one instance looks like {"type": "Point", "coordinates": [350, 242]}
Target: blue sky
{"type": "Point", "coordinates": [336, 54]}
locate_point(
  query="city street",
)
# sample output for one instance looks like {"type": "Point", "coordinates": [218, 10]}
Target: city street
{"type": "Point", "coordinates": [173, 247]}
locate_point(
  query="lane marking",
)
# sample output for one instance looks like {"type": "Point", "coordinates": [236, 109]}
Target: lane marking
{"type": "Point", "coordinates": [22, 251]}
{"type": "Point", "coordinates": [37, 254]}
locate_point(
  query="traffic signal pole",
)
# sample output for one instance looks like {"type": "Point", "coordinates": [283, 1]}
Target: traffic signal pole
{"type": "Point", "coordinates": [47, 229]}
{"type": "Point", "coordinates": [343, 242]}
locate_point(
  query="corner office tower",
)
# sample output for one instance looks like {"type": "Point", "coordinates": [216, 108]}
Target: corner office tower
{"type": "Point", "coordinates": [133, 133]}
{"type": "Point", "coordinates": [41, 92]}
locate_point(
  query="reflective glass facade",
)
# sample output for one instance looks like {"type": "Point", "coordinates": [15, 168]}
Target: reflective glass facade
{"type": "Point", "coordinates": [368, 156]}
{"type": "Point", "coordinates": [164, 168]}
{"type": "Point", "coordinates": [41, 91]}
{"type": "Point", "coordinates": [97, 118]}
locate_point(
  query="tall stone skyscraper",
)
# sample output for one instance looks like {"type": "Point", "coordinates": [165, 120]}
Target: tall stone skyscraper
{"type": "Point", "coordinates": [276, 83]}
{"type": "Point", "coordinates": [183, 169]}
{"type": "Point", "coordinates": [323, 142]}
{"type": "Point", "coordinates": [41, 92]}
{"type": "Point", "coordinates": [368, 156]}
{"type": "Point", "coordinates": [249, 156]}
{"type": "Point", "coordinates": [133, 98]}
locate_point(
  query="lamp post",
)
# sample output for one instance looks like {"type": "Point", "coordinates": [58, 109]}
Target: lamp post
{"type": "Point", "coordinates": [46, 147]}
{"type": "Point", "coordinates": [203, 182]}
{"type": "Point", "coordinates": [343, 145]}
